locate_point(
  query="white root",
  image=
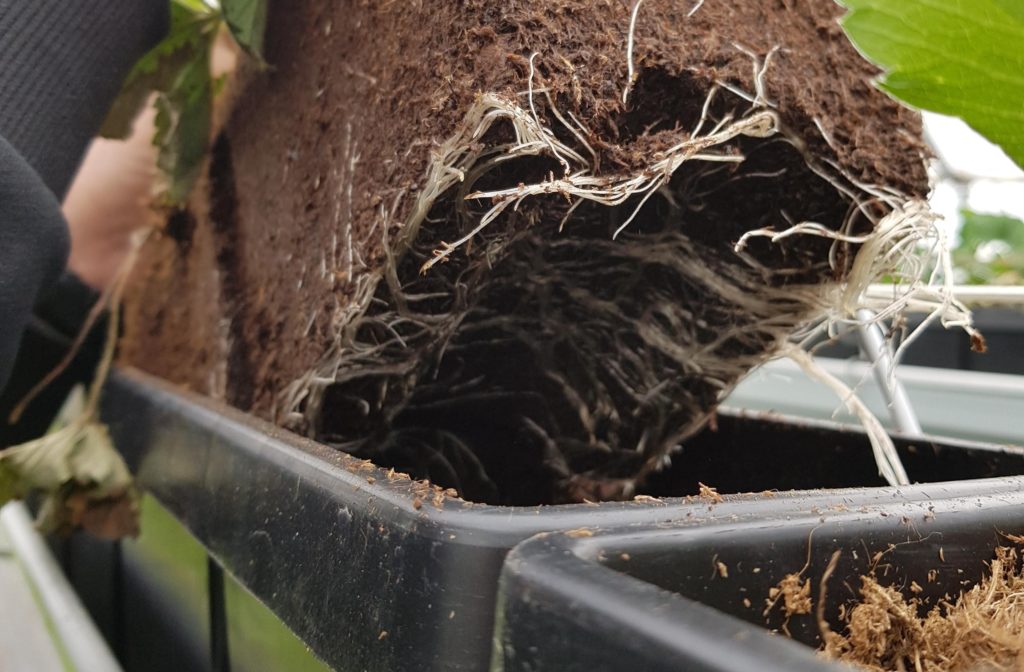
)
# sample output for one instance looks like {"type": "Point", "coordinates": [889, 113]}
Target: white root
{"type": "Point", "coordinates": [888, 461]}
{"type": "Point", "coordinates": [906, 244]}
{"type": "Point", "coordinates": [615, 189]}
{"type": "Point", "coordinates": [630, 68]}
{"type": "Point", "coordinates": [760, 98]}
{"type": "Point", "coordinates": [900, 244]}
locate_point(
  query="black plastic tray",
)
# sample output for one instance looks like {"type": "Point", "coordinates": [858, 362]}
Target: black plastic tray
{"type": "Point", "coordinates": [372, 572]}
{"type": "Point", "coordinates": [658, 599]}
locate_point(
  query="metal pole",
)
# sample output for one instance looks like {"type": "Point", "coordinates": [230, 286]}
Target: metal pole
{"type": "Point", "coordinates": [872, 342]}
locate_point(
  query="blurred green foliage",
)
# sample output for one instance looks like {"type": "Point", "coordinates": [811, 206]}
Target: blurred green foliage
{"type": "Point", "coordinates": [991, 250]}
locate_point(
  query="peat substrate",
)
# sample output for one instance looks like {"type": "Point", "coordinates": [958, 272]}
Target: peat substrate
{"type": "Point", "coordinates": [893, 629]}
{"type": "Point", "coordinates": [503, 245]}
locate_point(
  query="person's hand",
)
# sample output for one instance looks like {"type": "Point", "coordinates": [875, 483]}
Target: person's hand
{"type": "Point", "coordinates": [113, 190]}
{"type": "Point", "coordinates": [109, 200]}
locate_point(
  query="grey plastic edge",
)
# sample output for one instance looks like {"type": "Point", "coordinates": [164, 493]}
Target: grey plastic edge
{"type": "Point", "coordinates": [964, 404]}
{"type": "Point", "coordinates": [76, 631]}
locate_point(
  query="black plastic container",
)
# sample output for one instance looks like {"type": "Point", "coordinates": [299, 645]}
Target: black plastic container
{"type": "Point", "coordinates": [375, 572]}
{"type": "Point", "coordinates": [692, 595]}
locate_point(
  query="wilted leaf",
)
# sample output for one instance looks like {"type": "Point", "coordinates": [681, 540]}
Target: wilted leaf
{"type": "Point", "coordinates": [84, 479]}
{"type": "Point", "coordinates": [96, 463]}
{"type": "Point", "coordinates": [10, 485]}
{"type": "Point", "coordinates": [247, 20]}
{"type": "Point", "coordinates": [43, 463]}
{"type": "Point", "coordinates": [112, 517]}
{"type": "Point", "coordinates": [956, 57]}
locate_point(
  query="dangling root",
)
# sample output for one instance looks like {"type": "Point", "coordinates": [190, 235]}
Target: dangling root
{"type": "Point", "coordinates": [81, 478]}
{"type": "Point", "coordinates": [886, 458]}
{"type": "Point", "coordinates": [908, 246]}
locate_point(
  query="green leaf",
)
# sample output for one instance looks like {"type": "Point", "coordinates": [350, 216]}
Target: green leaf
{"type": "Point", "coordinates": [1014, 8]}
{"type": "Point", "coordinates": [194, 6]}
{"type": "Point", "coordinates": [247, 20]}
{"type": "Point", "coordinates": [178, 71]}
{"type": "Point", "coordinates": [958, 57]}
{"type": "Point", "coordinates": [183, 128]}
{"type": "Point", "coordinates": [187, 41]}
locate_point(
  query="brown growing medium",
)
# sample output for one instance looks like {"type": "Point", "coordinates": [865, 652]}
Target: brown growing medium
{"type": "Point", "coordinates": [795, 593]}
{"type": "Point", "coordinates": [539, 363]}
{"type": "Point", "coordinates": [983, 629]}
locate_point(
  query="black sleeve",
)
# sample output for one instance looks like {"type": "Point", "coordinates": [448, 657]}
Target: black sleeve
{"type": "Point", "coordinates": [33, 248]}
{"type": "Point", "coordinates": [61, 65]}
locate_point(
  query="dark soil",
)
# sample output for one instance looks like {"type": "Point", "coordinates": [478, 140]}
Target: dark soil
{"type": "Point", "coordinates": [243, 295]}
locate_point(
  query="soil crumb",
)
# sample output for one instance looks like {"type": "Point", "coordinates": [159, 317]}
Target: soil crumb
{"type": "Point", "coordinates": [710, 494]}
{"type": "Point", "coordinates": [794, 591]}
{"type": "Point", "coordinates": [983, 629]}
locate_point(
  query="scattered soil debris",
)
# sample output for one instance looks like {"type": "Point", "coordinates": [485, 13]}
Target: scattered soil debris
{"type": "Point", "coordinates": [795, 593]}
{"type": "Point", "coordinates": [580, 533]}
{"type": "Point", "coordinates": [982, 629]}
{"type": "Point", "coordinates": [709, 494]}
